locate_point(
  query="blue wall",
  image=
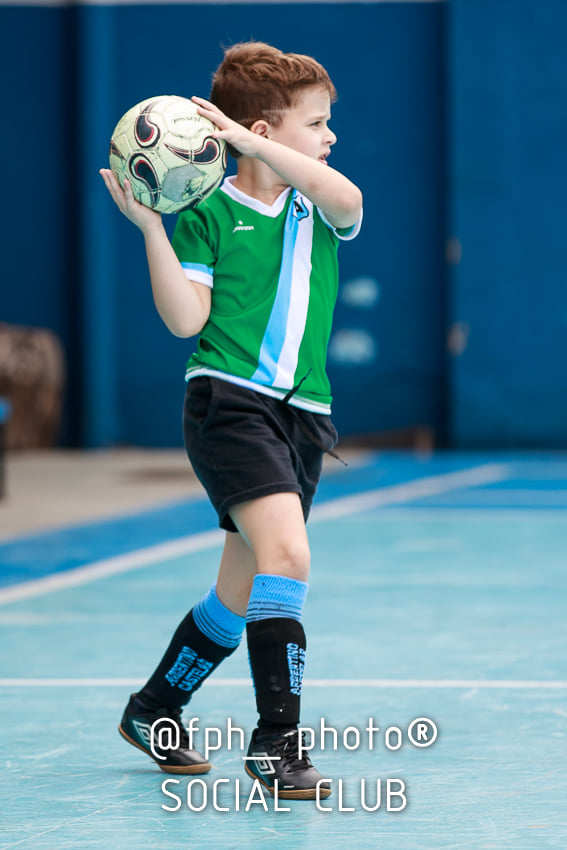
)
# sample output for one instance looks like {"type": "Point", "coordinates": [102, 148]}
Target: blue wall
{"type": "Point", "coordinates": [38, 284]}
{"type": "Point", "coordinates": [385, 61]}
{"type": "Point", "coordinates": [80, 267]}
{"type": "Point", "coordinates": [449, 117]}
{"type": "Point", "coordinates": [508, 210]}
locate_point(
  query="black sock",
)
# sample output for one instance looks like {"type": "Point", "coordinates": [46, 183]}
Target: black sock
{"type": "Point", "coordinates": [276, 647]}
{"type": "Point", "coordinates": [189, 659]}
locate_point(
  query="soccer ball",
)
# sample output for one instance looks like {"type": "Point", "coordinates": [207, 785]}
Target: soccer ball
{"type": "Point", "coordinates": [167, 152]}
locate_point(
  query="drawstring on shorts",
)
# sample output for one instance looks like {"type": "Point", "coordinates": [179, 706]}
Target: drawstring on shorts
{"type": "Point", "coordinates": [304, 427]}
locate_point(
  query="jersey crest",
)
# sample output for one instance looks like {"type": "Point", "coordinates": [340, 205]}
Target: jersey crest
{"type": "Point", "coordinates": [300, 210]}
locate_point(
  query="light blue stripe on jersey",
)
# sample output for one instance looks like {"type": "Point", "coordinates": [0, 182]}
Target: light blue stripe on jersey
{"type": "Point", "coordinates": [198, 267]}
{"type": "Point", "coordinates": [274, 336]}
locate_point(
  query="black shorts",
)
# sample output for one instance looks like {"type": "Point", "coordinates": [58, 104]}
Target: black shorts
{"type": "Point", "coordinates": [244, 445]}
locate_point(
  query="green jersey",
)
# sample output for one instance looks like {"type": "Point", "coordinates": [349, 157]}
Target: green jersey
{"type": "Point", "coordinates": [274, 277]}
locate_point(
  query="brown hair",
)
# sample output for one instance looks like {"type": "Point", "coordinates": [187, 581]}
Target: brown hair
{"type": "Point", "coordinates": [257, 81]}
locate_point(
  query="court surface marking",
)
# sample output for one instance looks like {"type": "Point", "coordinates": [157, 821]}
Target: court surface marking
{"type": "Point", "coordinates": [435, 691]}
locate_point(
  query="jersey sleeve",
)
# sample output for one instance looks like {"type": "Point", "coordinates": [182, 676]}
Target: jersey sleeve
{"type": "Point", "coordinates": [194, 246]}
{"type": "Point", "coordinates": [343, 233]}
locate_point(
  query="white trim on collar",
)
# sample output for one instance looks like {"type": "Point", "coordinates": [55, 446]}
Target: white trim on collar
{"type": "Point", "coordinates": [253, 203]}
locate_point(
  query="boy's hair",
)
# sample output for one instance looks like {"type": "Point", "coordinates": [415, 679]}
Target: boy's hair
{"type": "Point", "coordinates": [257, 81]}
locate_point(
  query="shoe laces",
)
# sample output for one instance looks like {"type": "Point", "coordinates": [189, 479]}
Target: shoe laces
{"type": "Point", "coordinates": [174, 714]}
{"type": "Point", "coordinates": [290, 747]}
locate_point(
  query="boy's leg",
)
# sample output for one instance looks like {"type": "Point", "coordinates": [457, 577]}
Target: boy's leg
{"type": "Point", "coordinates": [236, 574]}
{"type": "Point", "coordinates": [274, 528]}
{"type": "Point", "coordinates": [210, 632]}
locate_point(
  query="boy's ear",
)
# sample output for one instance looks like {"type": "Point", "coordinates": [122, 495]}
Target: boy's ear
{"type": "Point", "coordinates": [261, 127]}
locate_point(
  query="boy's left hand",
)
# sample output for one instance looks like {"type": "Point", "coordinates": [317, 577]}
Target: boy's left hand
{"type": "Point", "coordinates": [235, 134]}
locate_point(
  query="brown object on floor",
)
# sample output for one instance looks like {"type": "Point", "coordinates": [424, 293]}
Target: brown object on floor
{"type": "Point", "coordinates": [32, 379]}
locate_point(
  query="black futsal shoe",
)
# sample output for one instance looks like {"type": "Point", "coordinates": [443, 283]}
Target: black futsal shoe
{"type": "Point", "coordinates": [274, 758]}
{"type": "Point", "coordinates": [170, 745]}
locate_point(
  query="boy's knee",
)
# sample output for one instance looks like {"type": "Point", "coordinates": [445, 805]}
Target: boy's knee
{"type": "Point", "coordinates": [291, 558]}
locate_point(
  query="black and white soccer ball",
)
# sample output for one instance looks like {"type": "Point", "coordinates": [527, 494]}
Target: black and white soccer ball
{"type": "Point", "coordinates": [167, 152]}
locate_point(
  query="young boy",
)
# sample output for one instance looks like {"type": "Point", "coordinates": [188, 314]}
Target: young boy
{"type": "Point", "coordinates": [253, 269]}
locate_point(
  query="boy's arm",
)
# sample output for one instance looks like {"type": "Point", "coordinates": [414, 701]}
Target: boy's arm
{"type": "Point", "coordinates": [328, 189]}
{"type": "Point", "coordinates": [183, 304]}
{"type": "Point", "coordinates": [334, 194]}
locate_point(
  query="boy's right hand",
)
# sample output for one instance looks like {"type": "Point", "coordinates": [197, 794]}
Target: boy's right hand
{"type": "Point", "coordinates": [143, 217]}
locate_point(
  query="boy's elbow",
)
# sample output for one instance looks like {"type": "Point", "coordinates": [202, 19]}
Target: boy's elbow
{"type": "Point", "coordinates": [181, 333]}
{"type": "Point", "coordinates": [185, 330]}
{"type": "Point", "coordinates": [184, 326]}
{"type": "Point", "coordinates": [347, 211]}
{"type": "Point", "coordinates": [354, 204]}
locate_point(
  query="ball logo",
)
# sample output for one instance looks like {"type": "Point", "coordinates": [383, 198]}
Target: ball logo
{"type": "Point", "coordinates": [208, 152]}
{"type": "Point", "coordinates": [142, 170]}
{"type": "Point", "coordinates": [146, 131]}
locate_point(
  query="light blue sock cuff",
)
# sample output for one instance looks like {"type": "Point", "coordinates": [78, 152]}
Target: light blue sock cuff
{"type": "Point", "coordinates": [276, 596]}
{"type": "Point", "coordinates": [216, 621]}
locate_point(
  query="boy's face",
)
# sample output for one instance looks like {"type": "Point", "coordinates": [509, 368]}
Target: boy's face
{"type": "Point", "coordinates": [304, 126]}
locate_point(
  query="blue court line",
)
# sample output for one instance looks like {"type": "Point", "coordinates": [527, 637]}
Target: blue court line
{"type": "Point", "coordinates": [32, 557]}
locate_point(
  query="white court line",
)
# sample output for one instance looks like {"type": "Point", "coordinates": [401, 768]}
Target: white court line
{"type": "Point", "coordinates": [449, 514]}
{"type": "Point", "coordinates": [113, 566]}
{"type": "Point", "coordinates": [502, 684]}
{"type": "Point", "coordinates": [334, 509]}
{"type": "Point", "coordinates": [433, 485]}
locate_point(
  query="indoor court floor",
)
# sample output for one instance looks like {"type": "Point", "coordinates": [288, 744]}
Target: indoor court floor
{"type": "Point", "coordinates": [435, 695]}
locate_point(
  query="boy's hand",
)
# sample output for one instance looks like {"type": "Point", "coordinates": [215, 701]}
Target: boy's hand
{"type": "Point", "coordinates": [235, 134]}
{"type": "Point", "coordinates": [336, 196]}
{"type": "Point", "coordinates": [143, 217]}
